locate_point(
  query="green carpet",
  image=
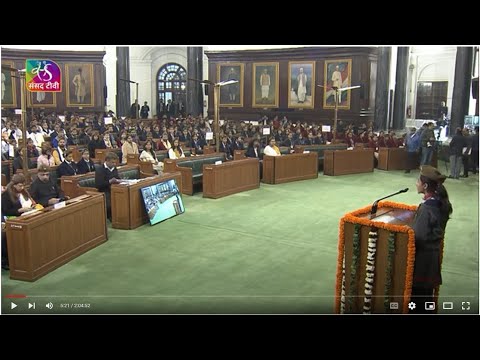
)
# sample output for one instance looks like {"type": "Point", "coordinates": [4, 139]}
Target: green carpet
{"type": "Point", "coordinates": [271, 250]}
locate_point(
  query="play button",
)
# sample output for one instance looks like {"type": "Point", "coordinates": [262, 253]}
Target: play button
{"type": "Point", "coordinates": [13, 305]}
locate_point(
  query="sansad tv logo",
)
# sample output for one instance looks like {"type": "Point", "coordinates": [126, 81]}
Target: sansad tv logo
{"type": "Point", "coordinates": [43, 75]}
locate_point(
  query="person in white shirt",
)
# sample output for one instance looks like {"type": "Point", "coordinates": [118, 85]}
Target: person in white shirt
{"type": "Point", "coordinates": [37, 137]}
{"type": "Point", "coordinates": [272, 149]}
{"type": "Point", "coordinates": [148, 155]}
{"type": "Point", "coordinates": [176, 151]}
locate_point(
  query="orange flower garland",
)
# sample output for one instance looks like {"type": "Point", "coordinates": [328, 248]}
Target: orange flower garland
{"type": "Point", "coordinates": [341, 253]}
{"type": "Point", "coordinates": [352, 217]}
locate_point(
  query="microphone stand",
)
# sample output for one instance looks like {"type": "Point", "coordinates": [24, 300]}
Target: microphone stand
{"type": "Point", "coordinates": [375, 204]}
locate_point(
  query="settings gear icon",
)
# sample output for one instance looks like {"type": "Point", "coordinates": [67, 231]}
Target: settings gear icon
{"type": "Point", "coordinates": [412, 305]}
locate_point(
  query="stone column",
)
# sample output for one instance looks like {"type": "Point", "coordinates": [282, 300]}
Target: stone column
{"type": "Point", "coordinates": [400, 89]}
{"type": "Point", "coordinates": [194, 88]}
{"type": "Point", "coordinates": [381, 92]}
{"type": "Point", "coordinates": [461, 87]}
{"type": "Point", "coordinates": [123, 87]}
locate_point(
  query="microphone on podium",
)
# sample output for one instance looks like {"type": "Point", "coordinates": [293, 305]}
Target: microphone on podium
{"type": "Point", "coordinates": [375, 204]}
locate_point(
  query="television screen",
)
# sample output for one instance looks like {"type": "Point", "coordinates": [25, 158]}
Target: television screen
{"type": "Point", "coordinates": [162, 201]}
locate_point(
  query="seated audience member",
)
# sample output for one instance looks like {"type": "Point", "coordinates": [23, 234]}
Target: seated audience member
{"type": "Point", "coordinates": [290, 142]}
{"type": "Point", "coordinates": [105, 176]}
{"type": "Point", "coordinates": [271, 149]}
{"type": "Point", "coordinates": [68, 166]}
{"type": "Point", "coordinates": [129, 147]}
{"type": "Point", "coordinates": [85, 165]}
{"type": "Point", "coordinates": [225, 148]}
{"type": "Point", "coordinates": [94, 144]}
{"type": "Point", "coordinates": [44, 191]}
{"type": "Point", "coordinates": [176, 151]}
{"type": "Point", "coordinates": [16, 199]}
{"type": "Point", "coordinates": [253, 149]}
{"type": "Point", "coordinates": [32, 150]}
{"type": "Point", "coordinates": [238, 144]}
{"type": "Point", "coordinates": [164, 144]}
{"type": "Point", "coordinates": [350, 140]}
{"type": "Point", "coordinates": [18, 161]}
{"type": "Point", "coordinates": [46, 159]}
{"type": "Point", "coordinates": [59, 151]}
{"type": "Point", "coordinates": [196, 145]}
{"type": "Point", "coordinates": [108, 141]}
{"type": "Point", "coordinates": [148, 155]}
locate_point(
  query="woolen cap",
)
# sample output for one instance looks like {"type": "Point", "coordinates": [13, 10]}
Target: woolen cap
{"type": "Point", "coordinates": [432, 173]}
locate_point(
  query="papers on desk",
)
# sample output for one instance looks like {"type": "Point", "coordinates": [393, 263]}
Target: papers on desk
{"type": "Point", "coordinates": [30, 212]}
{"type": "Point", "coordinates": [59, 205]}
{"type": "Point", "coordinates": [128, 181]}
{"type": "Point", "coordinates": [349, 148]}
{"type": "Point", "coordinates": [78, 198]}
{"type": "Point", "coordinates": [306, 151]}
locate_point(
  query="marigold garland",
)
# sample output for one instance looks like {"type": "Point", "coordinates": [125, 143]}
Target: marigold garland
{"type": "Point", "coordinates": [341, 253]}
{"type": "Point", "coordinates": [354, 266]}
{"type": "Point", "coordinates": [388, 275]}
{"type": "Point", "coordinates": [370, 270]}
{"type": "Point", "coordinates": [353, 218]}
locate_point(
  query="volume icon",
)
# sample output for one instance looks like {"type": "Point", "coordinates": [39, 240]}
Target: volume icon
{"type": "Point", "coordinates": [49, 306]}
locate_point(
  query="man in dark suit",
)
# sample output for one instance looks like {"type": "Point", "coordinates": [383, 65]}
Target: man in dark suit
{"type": "Point", "coordinates": [225, 148]}
{"type": "Point", "coordinates": [105, 176]}
{"type": "Point", "coordinates": [44, 190]}
{"type": "Point", "coordinates": [68, 166]}
{"type": "Point", "coordinates": [85, 165]}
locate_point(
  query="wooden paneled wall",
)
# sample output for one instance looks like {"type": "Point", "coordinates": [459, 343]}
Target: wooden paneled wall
{"type": "Point", "coordinates": [361, 104]}
{"type": "Point", "coordinates": [62, 58]}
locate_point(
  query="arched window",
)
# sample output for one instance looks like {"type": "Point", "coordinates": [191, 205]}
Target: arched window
{"type": "Point", "coordinates": [171, 85]}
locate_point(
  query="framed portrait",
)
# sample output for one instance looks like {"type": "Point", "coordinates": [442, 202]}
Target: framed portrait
{"type": "Point", "coordinates": [338, 73]}
{"type": "Point", "coordinates": [41, 99]}
{"type": "Point", "coordinates": [265, 85]}
{"type": "Point", "coordinates": [79, 81]}
{"type": "Point", "coordinates": [9, 93]}
{"type": "Point", "coordinates": [231, 95]}
{"type": "Point", "coordinates": [301, 84]}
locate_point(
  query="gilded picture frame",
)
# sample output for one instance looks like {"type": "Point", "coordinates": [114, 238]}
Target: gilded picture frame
{"type": "Point", "coordinates": [339, 73]}
{"type": "Point", "coordinates": [41, 99]}
{"type": "Point", "coordinates": [265, 86]}
{"type": "Point", "coordinates": [79, 85]}
{"type": "Point", "coordinates": [9, 86]}
{"type": "Point", "coordinates": [231, 95]}
{"type": "Point", "coordinates": [301, 84]}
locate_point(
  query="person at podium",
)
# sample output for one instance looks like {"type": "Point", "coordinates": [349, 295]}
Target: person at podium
{"type": "Point", "coordinates": [429, 225]}
{"type": "Point", "coordinates": [105, 176]}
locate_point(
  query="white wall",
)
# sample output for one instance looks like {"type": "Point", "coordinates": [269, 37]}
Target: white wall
{"type": "Point", "coordinates": [110, 63]}
{"type": "Point", "coordinates": [431, 63]}
{"type": "Point", "coordinates": [141, 72]}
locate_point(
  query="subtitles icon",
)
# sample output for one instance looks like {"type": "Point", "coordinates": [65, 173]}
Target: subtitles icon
{"type": "Point", "coordinates": [447, 305]}
{"type": "Point", "coordinates": [429, 306]}
{"type": "Point", "coordinates": [394, 306]}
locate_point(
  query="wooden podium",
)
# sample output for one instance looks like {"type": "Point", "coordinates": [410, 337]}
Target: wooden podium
{"type": "Point", "coordinates": [376, 256]}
